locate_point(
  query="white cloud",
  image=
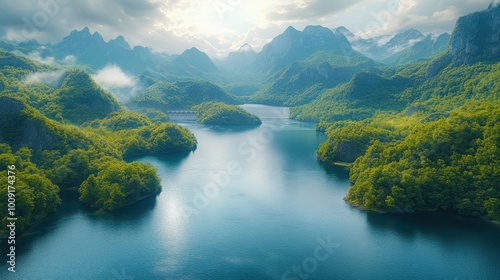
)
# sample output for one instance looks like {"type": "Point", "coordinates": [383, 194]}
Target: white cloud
{"type": "Point", "coordinates": [70, 59]}
{"type": "Point", "coordinates": [121, 85]}
{"type": "Point", "coordinates": [37, 57]}
{"type": "Point", "coordinates": [50, 78]}
{"type": "Point", "coordinates": [112, 76]}
{"type": "Point", "coordinates": [450, 14]}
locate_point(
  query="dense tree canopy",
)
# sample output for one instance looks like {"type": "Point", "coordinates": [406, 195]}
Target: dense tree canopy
{"type": "Point", "coordinates": [219, 113]}
{"type": "Point", "coordinates": [452, 163]}
{"type": "Point", "coordinates": [35, 195]}
{"type": "Point", "coordinates": [40, 136]}
{"type": "Point", "coordinates": [118, 184]}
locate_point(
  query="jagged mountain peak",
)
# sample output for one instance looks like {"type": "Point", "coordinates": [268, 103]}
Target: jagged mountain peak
{"type": "Point", "coordinates": [344, 31]}
{"type": "Point", "coordinates": [191, 51]}
{"type": "Point", "coordinates": [119, 42]}
{"type": "Point", "coordinates": [316, 29]}
{"type": "Point", "coordinates": [193, 57]}
{"type": "Point", "coordinates": [291, 29]}
{"type": "Point", "coordinates": [405, 37]}
{"type": "Point", "coordinates": [85, 30]}
{"type": "Point", "coordinates": [246, 48]}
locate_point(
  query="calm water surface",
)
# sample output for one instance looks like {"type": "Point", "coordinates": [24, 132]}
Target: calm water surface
{"type": "Point", "coordinates": [253, 203]}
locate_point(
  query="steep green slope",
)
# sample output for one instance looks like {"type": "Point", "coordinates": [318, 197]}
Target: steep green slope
{"type": "Point", "coordinates": [50, 156]}
{"type": "Point", "coordinates": [23, 126]}
{"type": "Point", "coordinates": [166, 96]}
{"type": "Point", "coordinates": [11, 61]}
{"type": "Point", "coordinates": [303, 81]}
{"type": "Point", "coordinates": [348, 140]}
{"type": "Point", "coordinates": [359, 99]}
{"type": "Point", "coordinates": [408, 90]}
{"type": "Point", "coordinates": [82, 100]}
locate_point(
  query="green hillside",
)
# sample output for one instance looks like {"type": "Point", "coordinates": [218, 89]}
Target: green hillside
{"type": "Point", "coordinates": [303, 81]}
{"type": "Point", "coordinates": [82, 100]}
{"type": "Point", "coordinates": [166, 96]}
{"type": "Point", "coordinates": [219, 113]}
{"type": "Point", "coordinates": [449, 164]}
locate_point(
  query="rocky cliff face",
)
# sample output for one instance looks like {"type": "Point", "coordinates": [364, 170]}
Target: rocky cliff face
{"type": "Point", "coordinates": [477, 37]}
{"type": "Point", "coordinates": [20, 128]}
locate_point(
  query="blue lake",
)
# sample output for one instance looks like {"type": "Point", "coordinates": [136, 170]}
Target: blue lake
{"type": "Point", "coordinates": [253, 203]}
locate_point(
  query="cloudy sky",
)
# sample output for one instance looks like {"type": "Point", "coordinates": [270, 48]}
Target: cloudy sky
{"type": "Point", "coordinates": [220, 26]}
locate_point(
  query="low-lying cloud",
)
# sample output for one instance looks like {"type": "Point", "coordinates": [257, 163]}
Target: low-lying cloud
{"type": "Point", "coordinates": [37, 56]}
{"type": "Point", "coordinates": [121, 85]}
{"type": "Point", "coordinates": [50, 78]}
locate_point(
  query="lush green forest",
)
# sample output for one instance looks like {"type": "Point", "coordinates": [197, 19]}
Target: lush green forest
{"type": "Point", "coordinates": [164, 96]}
{"type": "Point", "coordinates": [36, 195]}
{"type": "Point", "coordinates": [219, 113]}
{"type": "Point", "coordinates": [70, 134]}
{"type": "Point", "coordinates": [420, 137]}
{"type": "Point", "coordinates": [449, 164]}
{"type": "Point", "coordinates": [418, 152]}
{"type": "Point", "coordinates": [303, 81]}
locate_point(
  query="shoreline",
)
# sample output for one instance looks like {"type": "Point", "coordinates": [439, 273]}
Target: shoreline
{"type": "Point", "coordinates": [5, 236]}
{"type": "Point", "coordinates": [362, 208]}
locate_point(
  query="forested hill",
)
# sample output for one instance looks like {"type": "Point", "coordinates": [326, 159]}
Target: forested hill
{"type": "Point", "coordinates": [62, 131]}
{"type": "Point", "coordinates": [449, 164]}
{"type": "Point", "coordinates": [166, 96]}
{"type": "Point", "coordinates": [218, 113]}
{"type": "Point", "coordinates": [432, 144]}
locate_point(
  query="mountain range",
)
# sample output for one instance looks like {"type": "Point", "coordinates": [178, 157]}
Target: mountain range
{"type": "Point", "coordinates": [295, 68]}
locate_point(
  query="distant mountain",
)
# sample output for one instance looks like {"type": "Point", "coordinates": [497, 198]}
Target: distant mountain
{"type": "Point", "coordinates": [404, 47]}
{"type": "Point", "coordinates": [241, 59]}
{"type": "Point", "coordinates": [468, 71]}
{"type": "Point", "coordinates": [27, 47]}
{"type": "Point", "coordinates": [197, 60]}
{"type": "Point", "coordinates": [422, 50]}
{"type": "Point", "coordinates": [344, 31]}
{"type": "Point", "coordinates": [403, 39]}
{"type": "Point", "coordinates": [16, 61]}
{"type": "Point", "coordinates": [91, 49]}
{"type": "Point", "coordinates": [293, 45]}
{"type": "Point", "coordinates": [191, 64]}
